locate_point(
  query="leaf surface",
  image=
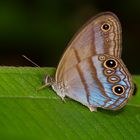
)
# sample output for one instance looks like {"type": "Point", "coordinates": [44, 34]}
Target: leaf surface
{"type": "Point", "coordinates": [28, 114]}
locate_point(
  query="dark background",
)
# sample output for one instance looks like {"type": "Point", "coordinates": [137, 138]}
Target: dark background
{"type": "Point", "coordinates": [42, 29]}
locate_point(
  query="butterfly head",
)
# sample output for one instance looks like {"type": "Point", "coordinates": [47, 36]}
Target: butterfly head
{"type": "Point", "coordinates": [116, 81]}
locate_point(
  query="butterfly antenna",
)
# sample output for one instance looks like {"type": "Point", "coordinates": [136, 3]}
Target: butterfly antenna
{"type": "Point", "coordinates": [30, 60]}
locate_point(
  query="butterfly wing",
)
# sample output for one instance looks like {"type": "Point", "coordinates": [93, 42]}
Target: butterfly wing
{"type": "Point", "coordinates": [91, 83]}
{"type": "Point", "coordinates": [101, 35]}
{"type": "Point", "coordinates": [83, 85]}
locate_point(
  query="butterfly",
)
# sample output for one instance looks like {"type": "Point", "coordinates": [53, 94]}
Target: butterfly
{"type": "Point", "coordinates": [91, 70]}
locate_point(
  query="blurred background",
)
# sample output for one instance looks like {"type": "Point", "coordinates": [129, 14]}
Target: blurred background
{"type": "Point", "coordinates": [41, 29]}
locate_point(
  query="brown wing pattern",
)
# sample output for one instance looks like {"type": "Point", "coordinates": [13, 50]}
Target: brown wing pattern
{"type": "Point", "coordinates": [92, 39]}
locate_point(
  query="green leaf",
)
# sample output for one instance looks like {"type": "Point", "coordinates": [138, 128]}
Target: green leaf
{"type": "Point", "coordinates": [28, 114]}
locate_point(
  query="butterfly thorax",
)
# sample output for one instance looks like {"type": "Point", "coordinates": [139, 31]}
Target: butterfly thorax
{"type": "Point", "coordinates": [57, 86]}
{"type": "Point", "coordinates": [60, 88]}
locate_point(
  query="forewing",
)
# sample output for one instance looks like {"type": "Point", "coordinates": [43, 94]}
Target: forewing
{"type": "Point", "coordinates": [92, 39]}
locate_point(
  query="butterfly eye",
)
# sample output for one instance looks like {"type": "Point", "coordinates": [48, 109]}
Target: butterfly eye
{"type": "Point", "coordinates": [111, 63]}
{"type": "Point", "coordinates": [118, 89]}
{"type": "Point", "coordinates": [105, 27]}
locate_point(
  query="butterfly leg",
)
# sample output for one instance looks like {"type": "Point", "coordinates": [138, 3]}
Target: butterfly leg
{"type": "Point", "coordinates": [92, 108]}
{"type": "Point", "coordinates": [62, 96]}
{"type": "Point", "coordinates": [60, 92]}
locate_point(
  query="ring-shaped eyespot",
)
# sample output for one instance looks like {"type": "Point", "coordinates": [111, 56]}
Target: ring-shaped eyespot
{"type": "Point", "coordinates": [109, 72]}
{"type": "Point", "coordinates": [105, 27]}
{"type": "Point", "coordinates": [110, 63]}
{"type": "Point", "coordinates": [118, 90]}
{"type": "Point", "coordinates": [113, 79]}
{"type": "Point", "coordinates": [102, 58]}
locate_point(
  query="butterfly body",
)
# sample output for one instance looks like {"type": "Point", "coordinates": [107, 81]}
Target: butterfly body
{"type": "Point", "coordinates": [91, 70]}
